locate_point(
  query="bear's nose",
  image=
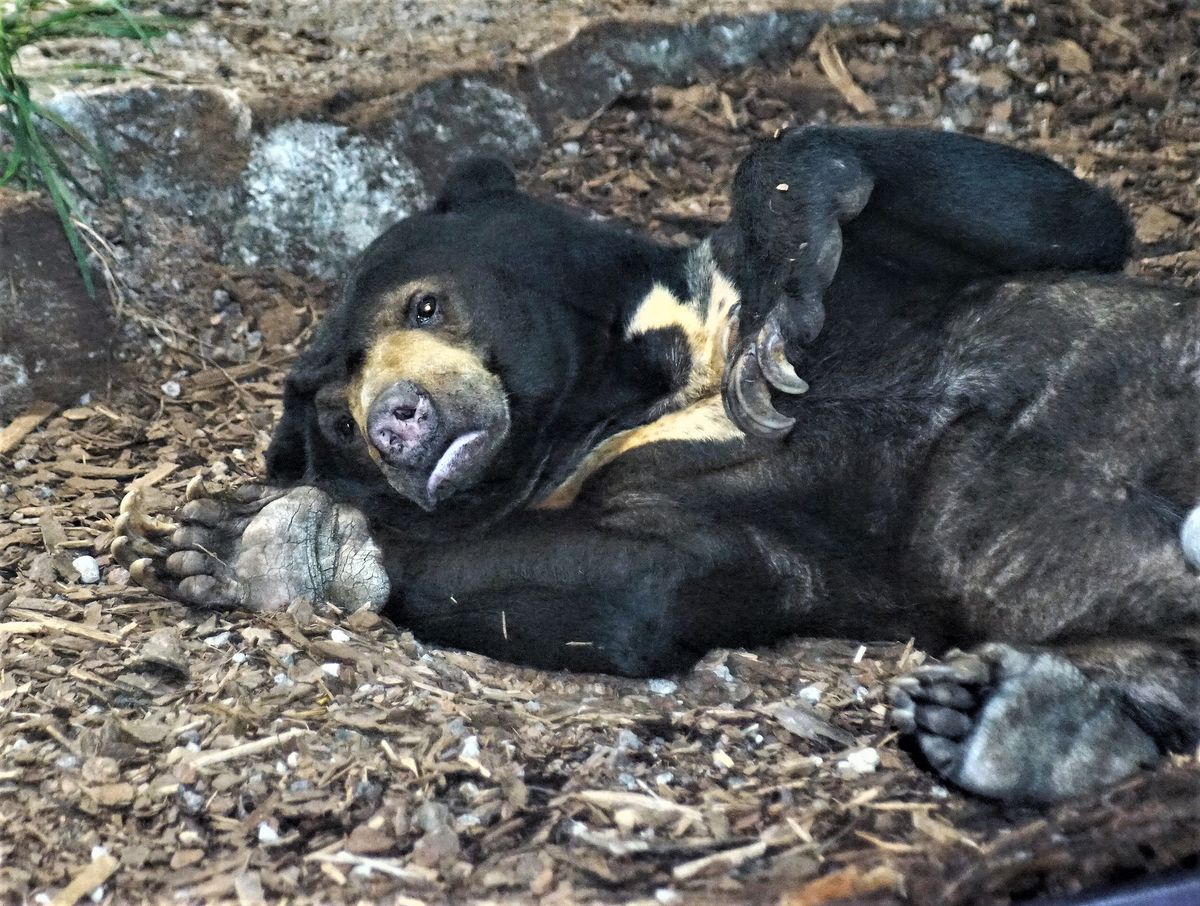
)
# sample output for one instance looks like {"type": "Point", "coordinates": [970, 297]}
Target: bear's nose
{"type": "Point", "coordinates": [401, 423]}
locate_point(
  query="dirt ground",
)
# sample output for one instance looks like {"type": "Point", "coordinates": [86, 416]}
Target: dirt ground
{"type": "Point", "coordinates": [148, 753]}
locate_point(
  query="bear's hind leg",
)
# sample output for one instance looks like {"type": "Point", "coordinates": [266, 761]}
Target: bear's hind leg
{"type": "Point", "coordinates": [1041, 723]}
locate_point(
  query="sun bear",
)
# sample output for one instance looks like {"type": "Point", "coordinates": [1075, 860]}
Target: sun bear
{"type": "Point", "coordinates": [893, 396]}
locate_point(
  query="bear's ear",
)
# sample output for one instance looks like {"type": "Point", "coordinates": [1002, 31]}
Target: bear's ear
{"type": "Point", "coordinates": [474, 179]}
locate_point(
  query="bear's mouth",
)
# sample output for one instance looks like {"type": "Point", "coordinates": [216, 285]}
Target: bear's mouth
{"type": "Point", "coordinates": [460, 465]}
{"type": "Point", "coordinates": [460, 459]}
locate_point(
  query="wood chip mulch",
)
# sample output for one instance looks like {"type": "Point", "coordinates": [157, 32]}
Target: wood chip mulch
{"type": "Point", "coordinates": [148, 753]}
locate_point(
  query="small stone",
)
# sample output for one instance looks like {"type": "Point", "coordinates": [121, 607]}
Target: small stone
{"type": "Point", "coordinates": [628, 741]}
{"type": "Point", "coordinates": [267, 835]}
{"type": "Point", "coordinates": [811, 694]}
{"type": "Point", "coordinates": [470, 749]}
{"type": "Point", "coordinates": [339, 635]}
{"type": "Point", "coordinates": [217, 641]}
{"type": "Point", "coordinates": [191, 801]}
{"type": "Point", "coordinates": [333, 668]}
{"type": "Point", "coordinates": [88, 569]}
{"type": "Point", "coordinates": [171, 389]}
{"type": "Point", "coordinates": [662, 686]}
{"type": "Point", "coordinates": [570, 148]}
{"type": "Point", "coordinates": [981, 43]}
{"type": "Point", "coordinates": [860, 761]}
{"type": "Point", "coordinates": [782, 187]}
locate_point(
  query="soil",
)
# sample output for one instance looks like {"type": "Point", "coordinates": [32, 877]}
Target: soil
{"type": "Point", "coordinates": [152, 753]}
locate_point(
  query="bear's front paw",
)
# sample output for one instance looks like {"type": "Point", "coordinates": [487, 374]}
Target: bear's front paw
{"type": "Point", "coordinates": [1019, 725]}
{"type": "Point", "coordinates": [254, 549]}
{"type": "Point", "coordinates": [790, 200]}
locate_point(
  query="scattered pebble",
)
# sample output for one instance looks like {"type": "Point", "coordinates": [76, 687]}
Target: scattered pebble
{"type": "Point", "coordinates": [981, 43]}
{"type": "Point", "coordinates": [171, 389]}
{"type": "Point", "coordinates": [662, 686]}
{"type": "Point", "coordinates": [470, 748]}
{"type": "Point", "coordinates": [88, 569]}
{"type": "Point", "coordinates": [267, 834]}
{"type": "Point", "coordinates": [627, 740]}
{"type": "Point", "coordinates": [860, 761]}
{"type": "Point", "coordinates": [811, 694]}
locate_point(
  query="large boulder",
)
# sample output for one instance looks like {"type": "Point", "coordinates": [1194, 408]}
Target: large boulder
{"type": "Point", "coordinates": [55, 341]}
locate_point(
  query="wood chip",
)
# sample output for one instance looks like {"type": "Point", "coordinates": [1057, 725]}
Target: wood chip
{"type": "Point", "coordinates": [834, 68]}
{"type": "Point", "coordinates": [36, 622]}
{"type": "Point", "coordinates": [16, 430]}
{"type": "Point", "coordinates": [206, 759]}
{"type": "Point", "coordinates": [92, 876]}
{"type": "Point", "coordinates": [719, 863]}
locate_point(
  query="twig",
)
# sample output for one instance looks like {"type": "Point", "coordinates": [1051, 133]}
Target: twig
{"type": "Point", "coordinates": [247, 748]}
{"type": "Point", "coordinates": [92, 876]}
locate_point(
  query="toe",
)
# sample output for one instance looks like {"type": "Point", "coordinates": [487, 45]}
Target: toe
{"type": "Point", "coordinates": [949, 695]}
{"type": "Point", "coordinates": [194, 537]}
{"type": "Point", "coordinates": [964, 669]}
{"type": "Point", "coordinates": [904, 710]}
{"type": "Point", "coordinates": [942, 753]}
{"type": "Point", "coordinates": [210, 591]}
{"type": "Point", "coordinates": [943, 721]}
{"type": "Point", "coordinates": [144, 574]}
{"type": "Point", "coordinates": [131, 545]}
{"type": "Point", "coordinates": [182, 564]}
{"type": "Point", "coordinates": [204, 511]}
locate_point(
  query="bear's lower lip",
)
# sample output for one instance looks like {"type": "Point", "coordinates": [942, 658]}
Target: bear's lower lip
{"type": "Point", "coordinates": [459, 454]}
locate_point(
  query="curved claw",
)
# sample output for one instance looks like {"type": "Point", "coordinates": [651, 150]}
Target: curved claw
{"type": "Point", "coordinates": [195, 488]}
{"type": "Point", "coordinates": [748, 400]}
{"type": "Point", "coordinates": [773, 360]}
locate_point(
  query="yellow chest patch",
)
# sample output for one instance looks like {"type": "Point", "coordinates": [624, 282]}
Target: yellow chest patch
{"type": "Point", "coordinates": [695, 411]}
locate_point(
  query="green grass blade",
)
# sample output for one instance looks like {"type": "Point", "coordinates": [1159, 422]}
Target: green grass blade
{"type": "Point", "coordinates": [15, 160]}
{"type": "Point", "coordinates": [64, 201]}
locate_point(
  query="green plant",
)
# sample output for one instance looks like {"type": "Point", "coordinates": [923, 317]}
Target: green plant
{"type": "Point", "coordinates": [32, 136]}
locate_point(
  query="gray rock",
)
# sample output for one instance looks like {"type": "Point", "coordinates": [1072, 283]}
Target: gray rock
{"type": "Point", "coordinates": [316, 195]}
{"type": "Point", "coordinates": [55, 341]}
{"type": "Point", "coordinates": [447, 120]}
{"type": "Point", "coordinates": [182, 146]}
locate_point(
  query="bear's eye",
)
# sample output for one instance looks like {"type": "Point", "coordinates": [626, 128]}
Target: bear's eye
{"type": "Point", "coordinates": [423, 308]}
{"type": "Point", "coordinates": [345, 427]}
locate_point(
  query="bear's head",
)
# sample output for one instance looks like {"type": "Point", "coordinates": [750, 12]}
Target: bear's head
{"type": "Point", "coordinates": [472, 344]}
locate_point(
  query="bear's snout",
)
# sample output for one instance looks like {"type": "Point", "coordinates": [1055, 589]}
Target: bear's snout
{"type": "Point", "coordinates": [402, 424]}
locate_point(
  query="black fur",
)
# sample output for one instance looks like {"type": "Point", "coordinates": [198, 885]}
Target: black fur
{"type": "Point", "coordinates": [979, 459]}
